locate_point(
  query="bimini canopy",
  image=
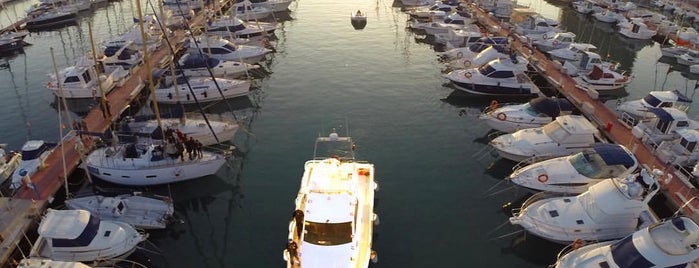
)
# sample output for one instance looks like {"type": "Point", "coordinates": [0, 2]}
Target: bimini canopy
{"type": "Point", "coordinates": [550, 106]}
{"type": "Point", "coordinates": [614, 154]}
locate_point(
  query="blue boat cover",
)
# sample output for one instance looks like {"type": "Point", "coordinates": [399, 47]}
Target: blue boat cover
{"type": "Point", "coordinates": [681, 97]}
{"type": "Point", "coordinates": [550, 106]}
{"type": "Point", "coordinates": [662, 114]}
{"type": "Point", "coordinates": [613, 154]}
{"type": "Point", "coordinates": [626, 255]}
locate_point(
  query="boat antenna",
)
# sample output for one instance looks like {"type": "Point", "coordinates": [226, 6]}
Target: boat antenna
{"type": "Point", "coordinates": [60, 121]}
{"type": "Point", "coordinates": [146, 61]}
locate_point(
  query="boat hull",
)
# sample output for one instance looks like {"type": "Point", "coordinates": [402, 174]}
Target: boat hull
{"type": "Point", "coordinates": [157, 174]}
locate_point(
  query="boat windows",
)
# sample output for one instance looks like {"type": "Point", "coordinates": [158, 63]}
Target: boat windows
{"type": "Point", "coordinates": [689, 145]}
{"type": "Point", "coordinates": [216, 50]}
{"type": "Point", "coordinates": [229, 47]}
{"type": "Point", "coordinates": [502, 74]}
{"type": "Point", "coordinates": [33, 154]}
{"type": "Point", "coordinates": [84, 239]}
{"type": "Point", "coordinates": [652, 100]}
{"type": "Point", "coordinates": [327, 234]}
{"type": "Point", "coordinates": [682, 123]}
{"type": "Point", "coordinates": [663, 126]}
{"type": "Point", "coordinates": [71, 79]}
{"type": "Point", "coordinates": [527, 108]}
{"type": "Point", "coordinates": [555, 132]}
{"type": "Point", "coordinates": [485, 70]}
{"type": "Point", "coordinates": [86, 77]}
{"type": "Point", "coordinates": [586, 164]}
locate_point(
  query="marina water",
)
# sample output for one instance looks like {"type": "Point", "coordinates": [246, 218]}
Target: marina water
{"type": "Point", "coordinates": [383, 86]}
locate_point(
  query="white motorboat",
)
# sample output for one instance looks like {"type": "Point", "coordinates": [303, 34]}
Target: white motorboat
{"type": "Point", "coordinates": [536, 113]}
{"type": "Point", "coordinates": [235, 27]}
{"type": "Point", "coordinates": [664, 126]}
{"type": "Point", "coordinates": [585, 7]}
{"type": "Point", "coordinates": [149, 164]}
{"type": "Point", "coordinates": [358, 20]}
{"type": "Point", "coordinates": [487, 55]}
{"type": "Point", "coordinates": [694, 69]}
{"type": "Point", "coordinates": [610, 209]}
{"type": "Point", "coordinates": [670, 243]}
{"type": "Point", "coordinates": [691, 57]}
{"type": "Point", "coordinates": [191, 125]}
{"type": "Point", "coordinates": [608, 16]}
{"type": "Point", "coordinates": [636, 29]}
{"type": "Point", "coordinates": [139, 209]}
{"type": "Point", "coordinates": [9, 161]}
{"type": "Point", "coordinates": [459, 37]}
{"type": "Point", "coordinates": [199, 64]}
{"type": "Point", "coordinates": [503, 76]}
{"type": "Point", "coordinates": [473, 49]}
{"type": "Point", "coordinates": [574, 174]}
{"type": "Point", "coordinates": [194, 4]}
{"type": "Point", "coordinates": [334, 217]}
{"type": "Point", "coordinates": [222, 49]}
{"type": "Point", "coordinates": [686, 36]}
{"type": "Point", "coordinates": [457, 20]}
{"type": "Point", "coordinates": [81, 81]}
{"type": "Point", "coordinates": [566, 135]}
{"type": "Point", "coordinates": [585, 64]}
{"type": "Point", "coordinates": [436, 11]}
{"type": "Point", "coordinates": [536, 24]}
{"type": "Point", "coordinates": [249, 12]}
{"type": "Point", "coordinates": [190, 90]}
{"type": "Point", "coordinates": [602, 78]}
{"type": "Point", "coordinates": [654, 99]}
{"type": "Point", "coordinates": [674, 51]}
{"type": "Point", "coordinates": [274, 5]}
{"type": "Point", "coordinates": [572, 52]}
{"type": "Point", "coordinates": [560, 40]}
{"type": "Point", "coordinates": [34, 153]}
{"type": "Point", "coordinates": [682, 151]}
{"type": "Point", "coordinates": [120, 56]}
{"type": "Point", "coordinates": [48, 263]}
{"type": "Point", "coordinates": [76, 235]}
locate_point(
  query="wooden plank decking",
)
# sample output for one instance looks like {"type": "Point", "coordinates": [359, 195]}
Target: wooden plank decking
{"type": "Point", "coordinates": [676, 190]}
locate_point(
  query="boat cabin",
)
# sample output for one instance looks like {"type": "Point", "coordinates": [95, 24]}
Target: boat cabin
{"type": "Point", "coordinates": [78, 77]}
{"type": "Point", "coordinates": [34, 148]}
{"type": "Point", "coordinates": [61, 230]}
{"type": "Point", "coordinates": [571, 129]}
{"type": "Point", "coordinates": [605, 160]}
{"type": "Point", "coordinates": [682, 151]}
{"type": "Point", "coordinates": [673, 98]}
{"type": "Point", "coordinates": [213, 46]}
{"type": "Point", "coordinates": [549, 107]}
{"type": "Point", "coordinates": [665, 126]}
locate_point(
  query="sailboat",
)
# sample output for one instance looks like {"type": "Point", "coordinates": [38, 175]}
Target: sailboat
{"type": "Point", "coordinates": [189, 124]}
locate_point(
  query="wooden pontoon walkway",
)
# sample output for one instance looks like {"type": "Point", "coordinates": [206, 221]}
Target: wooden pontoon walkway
{"type": "Point", "coordinates": [674, 187]}
{"type": "Point", "coordinates": [14, 212]}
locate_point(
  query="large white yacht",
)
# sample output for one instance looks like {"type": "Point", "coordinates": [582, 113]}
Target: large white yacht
{"type": "Point", "coordinates": [611, 209]}
{"type": "Point", "coordinates": [566, 135]}
{"type": "Point", "coordinates": [76, 235]}
{"type": "Point", "coordinates": [502, 76]}
{"type": "Point", "coordinates": [535, 113]}
{"type": "Point", "coordinates": [670, 243]}
{"type": "Point", "coordinates": [333, 222]}
{"type": "Point", "coordinates": [192, 125]}
{"type": "Point", "coordinates": [575, 173]}
{"type": "Point", "coordinates": [664, 126]}
{"type": "Point", "coordinates": [655, 99]}
{"type": "Point", "coordinates": [34, 153]}
{"type": "Point", "coordinates": [222, 49]}
{"type": "Point", "coordinates": [189, 90]}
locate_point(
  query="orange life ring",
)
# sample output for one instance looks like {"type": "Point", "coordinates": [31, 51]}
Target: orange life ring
{"type": "Point", "coordinates": [459, 55]}
{"type": "Point", "coordinates": [502, 116]}
{"type": "Point", "coordinates": [468, 74]}
{"type": "Point", "coordinates": [543, 178]}
{"type": "Point", "coordinates": [578, 243]}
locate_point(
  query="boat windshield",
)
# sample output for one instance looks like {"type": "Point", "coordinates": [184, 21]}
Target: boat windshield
{"type": "Point", "coordinates": [230, 47]}
{"type": "Point", "coordinates": [33, 154]}
{"type": "Point", "coordinates": [652, 100]}
{"type": "Point", "coordinates": [340, 147]}
{"type": "Point", "coordinates": [327, 234]}
{"type": "Point", "coordinates": [555, 132]}
{"type": "Point", "coordinates": [84, 239]}
{"type": "Point", "coordinates": [529, 110]}
{"type": "Point", "coordinates": [588, 164]}
{"type": "Point", "coordinates": [485, 70]}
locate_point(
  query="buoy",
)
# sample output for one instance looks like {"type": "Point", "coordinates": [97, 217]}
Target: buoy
{"type": "Point", "coordinates": [543, 178]}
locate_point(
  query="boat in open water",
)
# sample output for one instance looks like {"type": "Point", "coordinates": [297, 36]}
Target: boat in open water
{"type": "Point", "coordinates": [332, 225]}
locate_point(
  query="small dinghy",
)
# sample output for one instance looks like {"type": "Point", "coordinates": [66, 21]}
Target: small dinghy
{"type": "Point", "coordinates": [358, 20]}
{"type": "Point", "coordinates": [141, 210]}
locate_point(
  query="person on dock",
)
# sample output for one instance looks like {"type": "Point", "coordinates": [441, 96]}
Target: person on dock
{"type": "Point", "coordinates": [29, 184]}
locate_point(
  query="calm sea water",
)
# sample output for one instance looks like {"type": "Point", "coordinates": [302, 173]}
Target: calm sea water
{"type": "Point", "coordinates": [383, 85]}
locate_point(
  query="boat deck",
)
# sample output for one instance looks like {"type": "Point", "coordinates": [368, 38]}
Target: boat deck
{"type": "Point", "coordinates": [678, 191]}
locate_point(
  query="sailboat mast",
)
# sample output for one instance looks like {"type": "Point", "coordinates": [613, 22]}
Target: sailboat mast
{"type": "Point", "coordinates": [60, 122]}
{"type": "Point", "coordinates": [103, 98]}
{"type": "Point", "coordinates": [147, 63]}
